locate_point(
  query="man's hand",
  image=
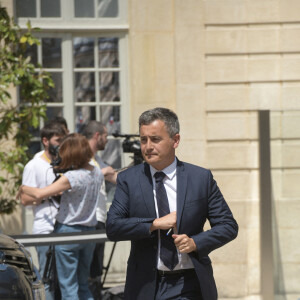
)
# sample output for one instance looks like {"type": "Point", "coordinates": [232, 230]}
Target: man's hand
{"type": "Point", "coordinates": [110, 174]}
{"type": "Point", "coordinates": [26, 199]}
{"type": "Point", "coordinates": [165, 222]}
{"type": "Point", "coordinates": [184, 243]}
{"type": "Point", "coordinates": [108, 171]}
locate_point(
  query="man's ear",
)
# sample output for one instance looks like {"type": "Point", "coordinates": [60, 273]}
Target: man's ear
{"type": "Point", "coordinates": [96, 135]}
{"type": "Point", "coordinates": [45, 142]}
{"type": "Point", "coordinates": [176, 139]}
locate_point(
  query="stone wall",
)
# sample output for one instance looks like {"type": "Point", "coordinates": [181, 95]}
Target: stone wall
{"type": "Point", "coordinates": [216, 63]}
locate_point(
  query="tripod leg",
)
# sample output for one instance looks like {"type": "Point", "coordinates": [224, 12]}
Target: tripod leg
{"type": "Point", "coordinates": [108, 264]}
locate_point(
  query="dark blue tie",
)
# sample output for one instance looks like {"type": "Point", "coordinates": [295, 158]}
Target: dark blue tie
{"type": "Point", "coordinates": [168, 251]}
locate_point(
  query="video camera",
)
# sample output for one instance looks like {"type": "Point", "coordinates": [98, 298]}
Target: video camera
{"type": "Point", "coordinates": [131, 145]}
{"type": "Point", "coordinates": [55, 162]}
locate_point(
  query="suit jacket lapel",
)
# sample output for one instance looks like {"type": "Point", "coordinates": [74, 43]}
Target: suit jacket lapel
{"type": "Point", "coordinates": [181, 191]}
{"type": "Point", "coordinates": [147, 190]}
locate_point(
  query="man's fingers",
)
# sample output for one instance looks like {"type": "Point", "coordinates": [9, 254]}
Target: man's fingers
{"type": "Point", "coordinates": [183, 249]}
{"type": "Point", "coordinates": [184, 243]}
{"type": "Point", "coordinates": [179, 238]}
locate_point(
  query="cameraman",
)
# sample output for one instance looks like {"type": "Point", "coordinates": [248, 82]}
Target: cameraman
{"type": "Point", "coordinates": [96, 133]}
{"type": "Point", "coordinates": [59, 121]}
{"type": "Point", "coordinates": [39, 173]}
{"type": "Point", "coordinates": [79, 185]}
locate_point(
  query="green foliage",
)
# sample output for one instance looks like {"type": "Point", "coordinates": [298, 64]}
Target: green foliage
{"type": "Point", "coordinates": [16, 71]}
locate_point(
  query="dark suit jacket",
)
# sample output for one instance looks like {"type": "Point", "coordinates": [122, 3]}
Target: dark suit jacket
{"type": "Point", "coordinates": [133, 211]}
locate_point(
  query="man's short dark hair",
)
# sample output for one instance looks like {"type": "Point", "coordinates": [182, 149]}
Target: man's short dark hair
{"type": "Point", "coordinates": [51, 129]}
{"type": "Point", "coordinates": [92, 127]}
{"type": "Point", "coordinates": [164, 114]}
{"type": "Point", "coordinates": [60, 120]}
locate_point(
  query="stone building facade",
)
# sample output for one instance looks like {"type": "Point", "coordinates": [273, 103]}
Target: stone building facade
{"type": "Point", "coordinates": [216, 63]}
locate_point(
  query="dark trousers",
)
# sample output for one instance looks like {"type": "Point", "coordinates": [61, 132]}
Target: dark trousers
{"type": "Point", "coordinates": [97, 261]}
{"type": "Point", "coordinates": [96, 269]}
{"type": "Point", "coordinates": [184, 286]}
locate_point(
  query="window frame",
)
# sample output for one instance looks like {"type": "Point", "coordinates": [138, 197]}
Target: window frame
{"type": "Point", "coordinates": [66, 27]}
{"type": "Point", "coordinates": [68, 21]}
{"type": "Point", "coordinates": [68, 74]}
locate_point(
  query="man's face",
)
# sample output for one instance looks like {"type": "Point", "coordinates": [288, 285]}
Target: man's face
{"type": "Point", "coordinates": [54, 141]}
{"type": "Point", "coordinates": [157, 147]}
{"type": "Point", "coordinates": [102, 140]}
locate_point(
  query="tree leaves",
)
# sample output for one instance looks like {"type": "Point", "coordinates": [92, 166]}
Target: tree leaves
{"type": "Point", "coordinates": [16, 70]}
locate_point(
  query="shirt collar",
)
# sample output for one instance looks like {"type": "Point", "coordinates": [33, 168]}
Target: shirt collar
{"type": "Point", "coordinates": [170, 170]}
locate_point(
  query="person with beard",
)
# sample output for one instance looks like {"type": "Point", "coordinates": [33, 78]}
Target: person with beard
{"type": "Point", "coordinates": [38, 172]}
{"type": "Point", "coordinates": [60, 121]}
{"type": "Point", "coordinates": [96, 133]}
{"type": "Point", "coordinates": [78, 188]}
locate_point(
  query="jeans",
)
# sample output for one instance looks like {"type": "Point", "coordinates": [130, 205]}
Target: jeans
{"type": "Point", "coordinates": [42, 257]}
{"type": "Point", "coordinates": [97, 267]}
{"type": "Point", "coordinates": [73, 265]}
{"type": "Point", "coordinates": [97, 262]}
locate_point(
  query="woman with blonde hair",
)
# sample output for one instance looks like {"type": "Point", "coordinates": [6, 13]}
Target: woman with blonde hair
{"type": "Point", "coordinates": [79, 187]}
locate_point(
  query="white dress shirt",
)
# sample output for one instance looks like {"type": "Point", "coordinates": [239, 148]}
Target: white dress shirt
{"type": "Point", "coordinates": [170, 183]}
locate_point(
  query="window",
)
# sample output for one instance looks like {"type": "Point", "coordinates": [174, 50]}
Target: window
{"type": "Point", "coordinates": [96, 74]}
{"type": "Point", "coordinates": [38, 8]}
{"type": "Point", "coordinates": [96, 9]}
{"type": "Point", "coordinates": [88, 66]}
{"type": "Point", "coordinates": [73, 10]}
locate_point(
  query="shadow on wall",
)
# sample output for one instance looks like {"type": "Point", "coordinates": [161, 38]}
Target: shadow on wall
{"type": "Point", "coordinates": [279, 279]}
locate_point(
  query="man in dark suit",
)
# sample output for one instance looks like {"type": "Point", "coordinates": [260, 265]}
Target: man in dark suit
{"type": "Point", "coordinates": [161, 206]}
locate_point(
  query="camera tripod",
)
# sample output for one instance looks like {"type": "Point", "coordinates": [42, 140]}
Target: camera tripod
{"type": "Point", "coordinates": [106, 268]}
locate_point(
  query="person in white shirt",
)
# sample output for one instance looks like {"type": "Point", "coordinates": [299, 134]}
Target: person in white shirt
{"type": "Point", "coordinates": [79, 189]}
{"type": "Point", "coordinates": [60, 121]}
{"type": "Point", "coordinates": [39, 173]}
{"type": "Point", "coordinates": [96, 133]}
